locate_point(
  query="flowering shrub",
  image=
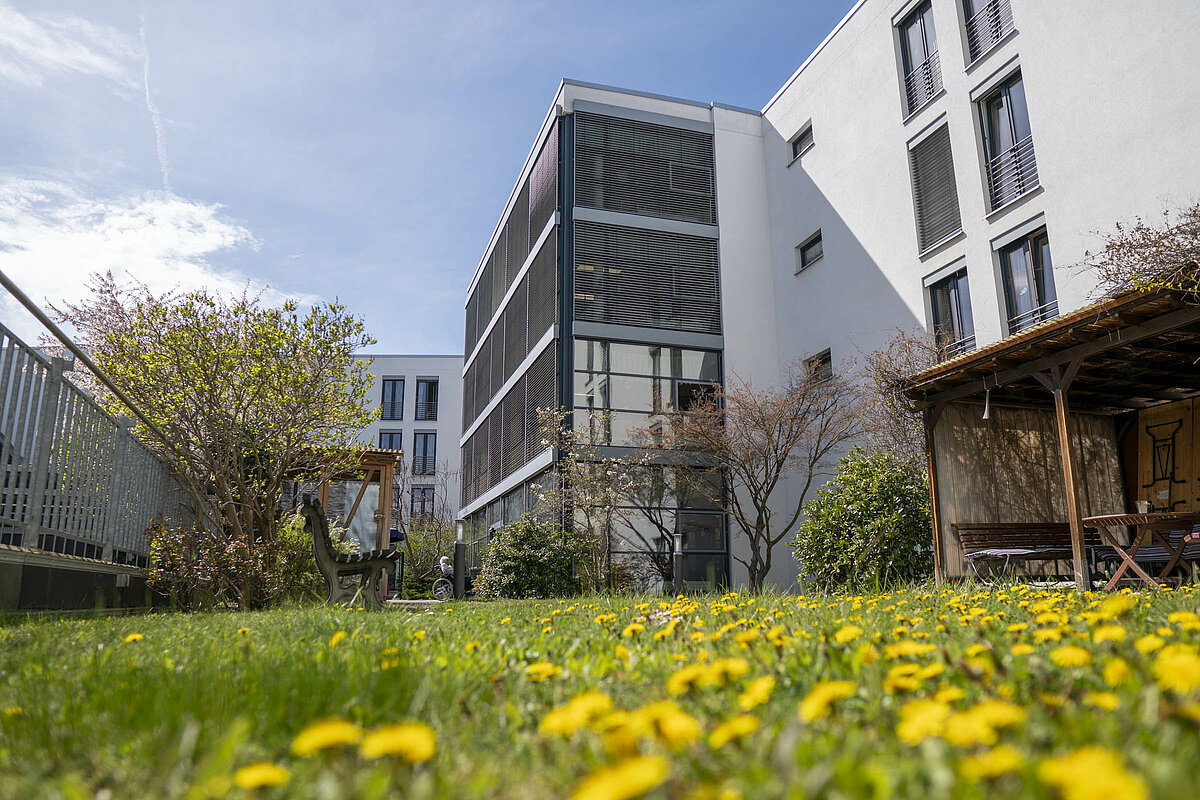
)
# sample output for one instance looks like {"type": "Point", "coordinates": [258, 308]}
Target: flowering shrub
{"type": "Point", "coordinates": [868, 527]}
{"type": "Point", "coordinates": [528, 558]}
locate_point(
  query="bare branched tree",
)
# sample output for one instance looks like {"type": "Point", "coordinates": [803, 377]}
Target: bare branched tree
{"type": "Point", "coordinates": [1140, 255]}
{"type": "Point", "coordinates": [889, 422]}
{"type": "Point", "coordinates": [750, 439]}
{"type": "Point", "coordinates": [428, 527]}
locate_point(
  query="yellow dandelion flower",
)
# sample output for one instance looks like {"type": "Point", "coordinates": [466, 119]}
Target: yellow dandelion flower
{"type": "Point", "coordinates": [731, 730]}
{"type": "Point", "coordinates": [948, 694]}
{"type": "Point", "coordinates": [624, 781]}
{"type": "Point", "coordinates": [506, 620]}
{"type": "Point", "coordinates": [821, 697]}
{"type": "Point", "coordinates": [622, 652]}
{"type": "Point", "coordinates": [1070, 656]}
{"type": "Point", "coordinates": [13, 711]}
{"type": "Point", "coordinates": [1148, 643]}
{"type": "Point", "coordinates": [1017, 627]}
{"type": "Point", "coordinates": [866, 653]}
{"type": "Point", "coordinates": [684, 678]}
{"type": "Point", "coordinates": [999, 713]}
{"type": "Point", "coordinates": [991, 763]}
{"type": "Point", "coordinates": [1108, 633]}
{"type": "Point", "coordinates": [575, 713]}
{"type": "Point", "coordinates": [324, 734]}
{"type": "Point", "coordinates": [1116, 672]}
{"type": "Point", "coordinates": [243, 631]}
{"type": "Point", "coordinates": [1048, 635]}
{"type": "Point", "coordinates": [1091, 772]}
{"type": "Point", "coordinates": [633, 628]}
{"type": "Point", "coordinates": [414, 742]}
{"type": "Point", "coordinates": [965, 729]}
{"type": "Point", "coordinates": [757, 692]}
{"type": "Point", "coordinates": [134, 637]}
{"type": "Point", "coordinates": [1103, 700]}
{"type": "Point", "coordinates": [976, 650]}
{"type": "Point", "coordinates": [260, 775]}
{"type": "Point", "coordinates": [472, 646]}
{"type": "Point", "coordinates": [1021, 649]}
{"type": "Point", "coordinates": [726, 669]}
{"type": "Point", "coordinates": [1115, 606]}
{"type": "Point", "coordinates": [1177, 667]}
{"type": "Point", "coordinates": [920, 719]}
{"type": "Point", "coordinates": [847, 633]}
{"type": "Point", "coordinates": [542, 671]}
{"type": "Point", "coordinates": [907, 648]}
{"type": "Point", "coordinates": [746, 638]}
{"type": "Point", "coordinates": [337, 638]}
{"type": "Point", "coordinates": [674, 726]}
{"type": "Point", "coordinates": [1187, 620]}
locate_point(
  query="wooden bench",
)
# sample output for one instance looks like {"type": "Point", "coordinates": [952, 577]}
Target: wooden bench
{"type": "Point", "coordinates": [1008, 542]}
{"type": "Point", "coordinates": [347, 576]}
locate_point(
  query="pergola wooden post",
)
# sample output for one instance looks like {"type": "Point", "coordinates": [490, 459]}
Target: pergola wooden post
{"type": "Point", "coordinates": [1058, 380]}
{"type": "Point", "coordinates": [930, 417]}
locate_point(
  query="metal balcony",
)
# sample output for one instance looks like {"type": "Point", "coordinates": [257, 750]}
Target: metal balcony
{"type": "Point", "coordinates": [1012, 173]}
{"type": "Point", "coordinates": [1030, 318]}
{"type": "Point", "coordinates": [990, 24]}
{"type": "Point", "coordinates": [391, 409]}
{"type": "Point", "coordinates": [427, 411]}
{"type": "Point", "coordinates": [923, 83]}
{"type": "Point", "coordinates": [952, 349]}
{"type": "Point", "coordinates": [424, 465]}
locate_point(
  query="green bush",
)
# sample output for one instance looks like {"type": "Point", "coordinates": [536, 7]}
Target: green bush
{"type": "Point", "coordinates": [869, 526]}
{"type": "Point", "coordinates": [528, 558]}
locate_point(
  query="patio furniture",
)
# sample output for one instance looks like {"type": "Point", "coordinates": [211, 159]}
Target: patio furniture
{"type": "Point", "coordinates": [1173, 530]}
{"type": "Point", "coordinates": [1006, 542]}
{"type": "Point", "coordinates": [347, 576]}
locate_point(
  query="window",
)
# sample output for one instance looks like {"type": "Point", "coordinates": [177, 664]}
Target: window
{"type": "Point", "coordinates": [1008, 141]}
{"type": "Point", "coordinates": [391, 405]}
{"type": "Point", "coordinates": [391, 440]}
{"type": "Point", "coordinates": [935, 195]}
{"type": "Point", "coordinates": [1028, 281]}
{"type": "Point", "coordinates": [802, 141]}
{"type": "Point", "coordinates": [953, 327]}
{"type": "Point", "coordinates": [988, 21]}
{"type": "Point", "coordinates": [809, 252]}
{"type": "Point", "coordinates": [427, 399]}
{"type": "Point", "coordinates": [919, 55]}
{"type": "Point", "coordinates": [424, 458]}
{"type": "Point", "coordinates": [422, 506]}
{"type": "Point", "coordinates": [820, 366]}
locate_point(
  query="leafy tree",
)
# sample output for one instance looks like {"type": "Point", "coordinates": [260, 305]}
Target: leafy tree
{"type": "Point", "coordinates": [869, 526]}
{"type": "Point", "coordinates": [528, 558]}
{"type": "Point", "coordinates": [244, 395]}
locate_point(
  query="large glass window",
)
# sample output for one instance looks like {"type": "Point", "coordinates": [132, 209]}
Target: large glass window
{"type": "Point", "coordinates": [953, 325]}
{"type": "Point", "coordinates": [424, 453]}
{"type": "Point", "coordinates": [391, 440]}
{"type": "Point", "coordinates": [919, 52]}
{"type": "Point", "coordinates": [391, 405]}
{"type": "Point", "coordinates": [1028, 281]}
{"type": "Point", "coordinates": [1008, 139]}
{"type": "Point", "coordinates": [422, 502]}
{"type": "Point", "coordinates": [427, 399]}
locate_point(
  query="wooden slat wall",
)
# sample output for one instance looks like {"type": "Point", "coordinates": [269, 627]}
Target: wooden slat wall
{"type": "Point", "coordinates": [1007, 469]}
{"type": "Point", "coordinates": [1168, 462]}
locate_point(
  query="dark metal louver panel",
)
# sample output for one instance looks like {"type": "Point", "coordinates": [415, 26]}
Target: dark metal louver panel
{"type": "Point", "coordinates": [543, 186]}
{"type": "Point", "coordinates": [499, 274]}
{"type": "Point", "coordinates": [934, 191]}
{"type": "Point", "coordinates": [643, 168]}
{"type": "Point", "coordinates": [468, 404]}
{"type": "Point", "coordinates": [494, 451]}
{"type": "Point", "coordinates": [515, 318]}
{"type": "Point", "coordinates": [630, 276]}
{"type": "Point", "coordinates": [517, 230]}
{"type": "Point", "coordinates": [539, 393]}
{"type": "Point", "coordinates": [513, 428]}
{"type": "Point", "coordinates": [472, 335]}
{"type": "Point", "coordinates": [543, 289]}
{"type": "Point", "coordinates": [480, 454]}
{"type": "Point", "coordinates": [483, 375]}
{"type": "Point", "coordinates": [465, 476]}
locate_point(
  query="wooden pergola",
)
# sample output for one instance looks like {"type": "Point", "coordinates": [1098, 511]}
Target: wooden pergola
{"type": "Point", "coordinates": [1128, 353]}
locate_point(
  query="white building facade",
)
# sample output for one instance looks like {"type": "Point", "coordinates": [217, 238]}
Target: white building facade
{"type": "Point", "coordinates": [942, 164]}
{"type": "Point", "coordinates": [419, 398]}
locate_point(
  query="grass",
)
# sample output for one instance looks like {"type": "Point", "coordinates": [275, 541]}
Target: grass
{"type": "Point", "coordinates": [976, 704]}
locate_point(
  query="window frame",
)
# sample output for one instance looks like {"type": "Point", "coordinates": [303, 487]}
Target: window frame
{"type": "Point", "coordinates": [797, 146]}
{"type": "Point", "coordinates": [399, 434]}
{"type": "Point", "coordinates": [819, 366]}
{"type": "Point", "coordinates": [395, 407]}
{"type": "Point", "coordinates": [1034, 246]}
{"type": "Point", "coordinates": [804, 246]}
{"type": "Point", "coordinates": [422, 466]}
{"type": "Point", "coordinates": [425, 382]}
{"type": "Point", "coordinates": [958, 286]}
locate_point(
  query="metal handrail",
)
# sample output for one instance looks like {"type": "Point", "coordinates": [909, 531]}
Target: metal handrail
{"type": "Point", "coordinates": [957, 347]}
{"type": "Point", "coordinates": [1033, 317]}
{"type": "Point", "coordinates": [989, 25]}
{"type": "Point", "coordinates": [923, 82]}
{"type": "Point", "coordinates": [427, 411]}
{"type": "Point", "coordinates": [424, 465]}
{"type": "Point", "coordinates": [1012, 173]}
{"type": "Point", "coordinates": [391, 409]}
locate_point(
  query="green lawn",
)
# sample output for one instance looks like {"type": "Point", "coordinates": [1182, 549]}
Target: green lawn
{"type": "Point", "coordinates": [971, 692]}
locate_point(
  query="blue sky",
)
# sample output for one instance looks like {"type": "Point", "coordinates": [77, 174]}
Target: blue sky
{"type": "Point", "coordinates": [350, 150]}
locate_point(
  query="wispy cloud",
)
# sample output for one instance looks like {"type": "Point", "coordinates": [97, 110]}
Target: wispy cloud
{"type": "Point", "coordinates": [52, 237]}
{"type": "Point", "coordinates": [160, 132]}
{"type": "Point", "coordinates": [33, 48]}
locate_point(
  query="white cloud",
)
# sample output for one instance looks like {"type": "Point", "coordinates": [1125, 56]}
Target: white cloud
{"type": "Point", "coordinates": [52, 237]}
{"type": "Point", "coordinates": [31, 47]}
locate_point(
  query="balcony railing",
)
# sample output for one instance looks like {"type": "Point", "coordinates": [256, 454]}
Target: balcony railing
{"type": "Point", "coordinates": [1030, 318]}
{"type": "Point", "coordinates": [389, 409]}
{"type": "Point", "coordinates": [923, 83]}
{"type": "Point", "coordinates": [990, 24]}
{"type": "Point", "coordinates": [955, 348]}
{"type": "Point", "coordinates": [1012, 173]}
{"type": "Point", "coordinates": [427, 411]}
{"type": "Point", "coordinates": [424, 465]}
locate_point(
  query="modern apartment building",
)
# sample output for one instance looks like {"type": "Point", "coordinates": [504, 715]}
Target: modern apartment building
{"type": "Point", "coordinates": [419, 398]}
{"type": "Point", "coordinates": [942, 164]}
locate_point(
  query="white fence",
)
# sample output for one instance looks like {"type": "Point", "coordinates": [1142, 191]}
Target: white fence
{"type": "Point", "coordinates": [74, 480]}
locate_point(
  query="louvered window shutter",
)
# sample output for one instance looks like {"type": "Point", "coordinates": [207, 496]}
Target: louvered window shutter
{"type": "Point", "coordinates": [934, 191]}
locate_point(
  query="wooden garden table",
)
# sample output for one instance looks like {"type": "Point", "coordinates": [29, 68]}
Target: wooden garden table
{"type": "Point", "coordinates": [1148, 527]}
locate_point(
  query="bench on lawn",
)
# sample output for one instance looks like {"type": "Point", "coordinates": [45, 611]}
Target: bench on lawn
{"type": "Point", "coordinates": [1008, 542]}
{"type": "Point", "coordinates": [347, 576]}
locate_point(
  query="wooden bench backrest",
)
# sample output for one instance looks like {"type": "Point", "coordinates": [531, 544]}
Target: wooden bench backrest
{"type": "Point", "coordinates": [315, 523]}
{"type": "Point", "coordinates": [996, 535]}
